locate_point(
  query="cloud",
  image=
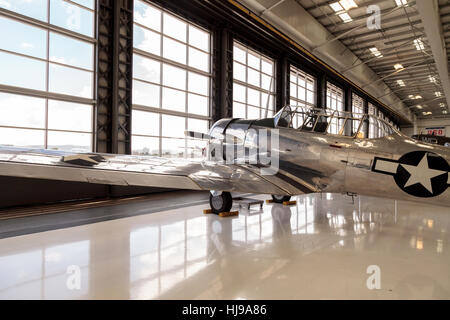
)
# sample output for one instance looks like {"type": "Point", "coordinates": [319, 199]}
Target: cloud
{"type": "Point", "coordinates": [5, 4]}
{"type": "Point", "coordinates": [58, 60]}
{"type": "Point", "coordinates": [26, 45]}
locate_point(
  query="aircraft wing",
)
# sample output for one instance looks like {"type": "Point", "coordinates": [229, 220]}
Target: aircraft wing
{"type": "Point", "coordinates": [128, 170]}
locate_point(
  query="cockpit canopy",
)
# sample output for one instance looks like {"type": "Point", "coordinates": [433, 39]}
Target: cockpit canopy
{"type": "Point", "coordinates": [356, 125]}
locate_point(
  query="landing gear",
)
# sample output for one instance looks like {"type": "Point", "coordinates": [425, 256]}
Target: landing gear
{"type": "Point", "coordinates": [220, 202]}
{"type": "Point", "coordinates": [280, 199]}
{"type": "Point", "coordinates": [353, 196]}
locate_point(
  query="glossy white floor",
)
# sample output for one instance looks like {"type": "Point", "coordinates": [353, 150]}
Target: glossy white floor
{"type": "Point", "coordinates": [319, 249]}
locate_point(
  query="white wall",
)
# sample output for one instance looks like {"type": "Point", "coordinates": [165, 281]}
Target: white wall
{"type": "Point", "coordinates": [425, 123]}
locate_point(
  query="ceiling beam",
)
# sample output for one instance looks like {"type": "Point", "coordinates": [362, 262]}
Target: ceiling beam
{"type": "Point", "coordinates": [364, 17]}
{"type": "Point", "coordinates": [429, 13]}
{"type": "Point", "coordinates": [327, 3]}
{"type": "Point", "coordinates": [361, 50]}
{"type": "Point", "coordinates": [394, 73]}
{"type": "Point", "coordinates": [272, 7]}
{"type": "Point", "coordinates": [362, 25]}
{"type": "Point", "coordinates": [391, 54]}
{"type": "Point", "coordinates": [409, 77]}
{"type": "Point", "coordinates": [373, 32]}
{"type": "Point", "coordinates": [381, 37]}
{"type": "Point", "coordinates": [379, 67]}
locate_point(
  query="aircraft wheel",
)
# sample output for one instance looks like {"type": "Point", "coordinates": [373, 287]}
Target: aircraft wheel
{"type": "Point", "coordinates": [221, 203]}
{"type": "Point", "coordinates": [280, 199]}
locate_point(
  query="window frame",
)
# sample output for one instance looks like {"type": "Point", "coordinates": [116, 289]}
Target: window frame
{"type": "Point", "coordinates": [333, 92]}
{"type": "Point", "coordinates": [358, 109]}
{"type": "Point", "coordinates": [46, 94]}
{"type": "Point", "coordinates": [162, 60]}
{"type": "Point", "coordinates": [308, 78]}
{"type": "Point", "coordinates": [270, 94]}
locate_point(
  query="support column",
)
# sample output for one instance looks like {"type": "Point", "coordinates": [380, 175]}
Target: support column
{"type": "Point", "coordinates": [282, 83]}
{"type": "Point", "coordinates": [416, 126]}
{"type": "Point", "coordinates": [322, 91]}
{"type": "Point", "coordinates": [348, 100]}
{"type": "Point", "coordinates": [367, 124]}
{"type": "Point", "coordinates": [114, 77]}
{"type": "Point", "coordinates": [222, 83]}
{"type": "Point", "coordinates": [433, 27]}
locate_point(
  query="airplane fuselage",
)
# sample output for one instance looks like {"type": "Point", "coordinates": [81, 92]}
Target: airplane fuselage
{"type": "Point", "coordinates": [394, 166]}
{"type": "Point", "coordinates": [290, 162]}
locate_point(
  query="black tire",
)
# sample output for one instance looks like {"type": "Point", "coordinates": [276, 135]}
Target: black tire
{"type": "Point", "coordinates": [222, 203]}
{"type": "Point", "coordinates": [280, 199]}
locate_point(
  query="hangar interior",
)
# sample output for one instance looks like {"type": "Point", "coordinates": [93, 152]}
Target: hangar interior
{"type": "Point", "coordinates": [130, 77]}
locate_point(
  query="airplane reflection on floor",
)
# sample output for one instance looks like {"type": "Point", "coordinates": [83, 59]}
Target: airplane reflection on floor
{"type": "Point", "coordinates": [316, 249]}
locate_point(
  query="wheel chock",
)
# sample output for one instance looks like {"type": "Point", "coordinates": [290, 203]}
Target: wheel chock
{"type": "Point", "coordinates": [222, 214]}
{"type": "Point", "coordinates": [229, 214]}
{"type": "Point", "coordinates": [269, 201]}
{"type": "Point", "coordinates": [289, 203]}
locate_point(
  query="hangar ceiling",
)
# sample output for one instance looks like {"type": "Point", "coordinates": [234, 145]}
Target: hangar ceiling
{"type": "Point", "coordinates": [397, 50]}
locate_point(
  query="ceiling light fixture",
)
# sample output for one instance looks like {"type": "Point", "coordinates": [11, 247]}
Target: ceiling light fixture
{"type": "Point", "coordinates": [345, 17]}
{"type": "Point", "coordinates": [341, 7]}
{"type": "Point", "coordinates": [432, 79]}
{"type": "Point", "coordinates": [398, 66]}
{"type": "Point", "coordinates": [427, 113]}
{"type": "Point", "coordinates": [375, 52]}
{"type": "Point", "coordinates": [400, 3]}
{"type": "Point", "coordinates": [348, 4]}
{"type": "Point", "coordinates": [337, 7]}
{"type": "Point", "coordinates": [438, 94]}
{"type": "Point", "coordinates": [419, 45]}
{"type": "Point", "coordinates": [401, 83]}
{"type": "Point", "coordinates": [419, 107]}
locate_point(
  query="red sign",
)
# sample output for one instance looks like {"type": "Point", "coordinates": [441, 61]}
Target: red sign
{"type": "Point", "coordinates": [440, 132]}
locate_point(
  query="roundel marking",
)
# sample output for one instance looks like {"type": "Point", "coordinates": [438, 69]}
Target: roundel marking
{"type": "Point", "coordinates": [421, 174]}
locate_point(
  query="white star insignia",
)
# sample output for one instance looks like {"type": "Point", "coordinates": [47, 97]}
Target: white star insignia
{"type": "Point", "coordinates": [422, 174]}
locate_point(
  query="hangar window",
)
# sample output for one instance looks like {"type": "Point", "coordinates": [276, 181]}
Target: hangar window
{"type": "Point", "coordinates": [373, 129]}
{"type": "Point", "coordinates": [39, 106]}
{"type": "Point", "coordinates": [380, 129]}
{"type": "Point", "coordinates": [335, 101]}
{"type": "Point", "coordinates": [390, 121]}
{"type": "Point", "coordinates": [358, 112]}
{"type": "Point", "coordinates": [171, 83]}
{"type": "Point", "coordinates": [302, 92]}
{"type": "Point", "coordinates": [379, 124]}
{"type": "Point", "coordinates": [254, 84]}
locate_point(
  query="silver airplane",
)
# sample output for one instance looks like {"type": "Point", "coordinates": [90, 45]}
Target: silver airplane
{"type": "Point", "coordinates": [317, 150]}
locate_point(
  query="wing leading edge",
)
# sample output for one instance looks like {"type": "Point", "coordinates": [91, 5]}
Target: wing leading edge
{"type": "Point", "coordinates": [127, 170]}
